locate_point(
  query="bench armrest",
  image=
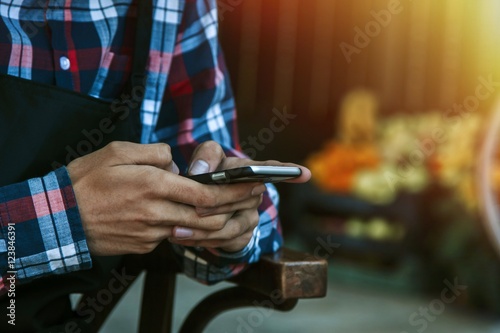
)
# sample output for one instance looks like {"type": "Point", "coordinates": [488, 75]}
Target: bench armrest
{"type": "Point", "coordinates": [291, 273]}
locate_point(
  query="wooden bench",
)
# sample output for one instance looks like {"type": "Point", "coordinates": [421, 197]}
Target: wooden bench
{"type": "Point", "coordinates": [277, 281]}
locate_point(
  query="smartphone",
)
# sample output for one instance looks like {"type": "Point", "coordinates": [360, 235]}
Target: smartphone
{"type": "Point", "coordinates": [247, 174]}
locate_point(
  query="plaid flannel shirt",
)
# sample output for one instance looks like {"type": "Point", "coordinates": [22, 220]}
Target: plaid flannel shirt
{"type": "Point", "coordinates": [85, 45]}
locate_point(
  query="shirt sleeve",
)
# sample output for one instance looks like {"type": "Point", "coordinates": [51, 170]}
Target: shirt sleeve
{"type": "Point", "coordinates": [41, 233]}
{"type": "Point", "coordinates": [198, 106]}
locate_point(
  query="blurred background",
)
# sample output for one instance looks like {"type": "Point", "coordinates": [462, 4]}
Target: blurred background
{"type": "Point", "coordinates": [393, 106]}
{"type": "Point", "coordinates": [390, 104]}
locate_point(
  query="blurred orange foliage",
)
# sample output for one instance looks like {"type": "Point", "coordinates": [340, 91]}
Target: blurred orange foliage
{"type": "Point", "coordinates": [335, 166]}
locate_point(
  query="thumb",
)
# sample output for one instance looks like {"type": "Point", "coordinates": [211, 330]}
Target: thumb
{"type": "Point", "coordinates": [206, 158]}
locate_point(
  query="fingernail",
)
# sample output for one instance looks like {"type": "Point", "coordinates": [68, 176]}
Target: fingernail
{"type": "Point", "coordinates": [258, 190]}
{"type": "Point", "coordinates": [183, 233]}
{"type": "Point", "coordinates": [175, 168]}
{"type": "Point", "coordinates": [199, 167]}
{"type": "Point", "coordinates": [204, 211]}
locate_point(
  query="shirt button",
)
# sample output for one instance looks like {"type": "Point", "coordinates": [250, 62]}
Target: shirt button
{"type": "Point", "coordinates": [64, 62]}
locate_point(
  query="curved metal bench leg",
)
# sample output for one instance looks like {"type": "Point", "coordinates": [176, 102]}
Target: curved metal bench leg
{"type": "Point", "coordinates": [157, 302]}
{"type": "Point", "coordinates": [229, 299]}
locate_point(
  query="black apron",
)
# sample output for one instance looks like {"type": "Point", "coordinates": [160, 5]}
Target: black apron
{"type": "Point", "coordinates": [43, 127]}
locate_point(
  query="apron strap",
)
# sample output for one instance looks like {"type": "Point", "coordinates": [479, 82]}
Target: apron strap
{"type": "Point", "coordinates": [142, 43]}
{"type": "Point", "coordinates": [135, 88]}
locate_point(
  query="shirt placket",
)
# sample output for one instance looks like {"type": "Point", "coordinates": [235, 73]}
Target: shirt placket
{"type": "Point", "coordinates": [59, 19]}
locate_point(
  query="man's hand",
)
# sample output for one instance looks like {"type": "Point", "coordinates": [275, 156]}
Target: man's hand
{"type": "Point", "coordinates": [242, 215]}
{"type": "Point", "coordinates": [130, 198]}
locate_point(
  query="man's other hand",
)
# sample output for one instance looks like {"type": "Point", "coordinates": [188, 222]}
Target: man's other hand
{"type": "Point", "coordinates": [241, 213]}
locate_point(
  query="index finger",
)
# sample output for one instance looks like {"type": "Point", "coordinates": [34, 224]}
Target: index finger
{"type": "Point", "coordinates": [184, 190]}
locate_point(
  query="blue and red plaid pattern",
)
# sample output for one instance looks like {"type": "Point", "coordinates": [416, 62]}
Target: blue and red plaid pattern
{"type": "Point", "coordinates": [188, 100]}
{"type": "Point", "coordinates": [49, 238]}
